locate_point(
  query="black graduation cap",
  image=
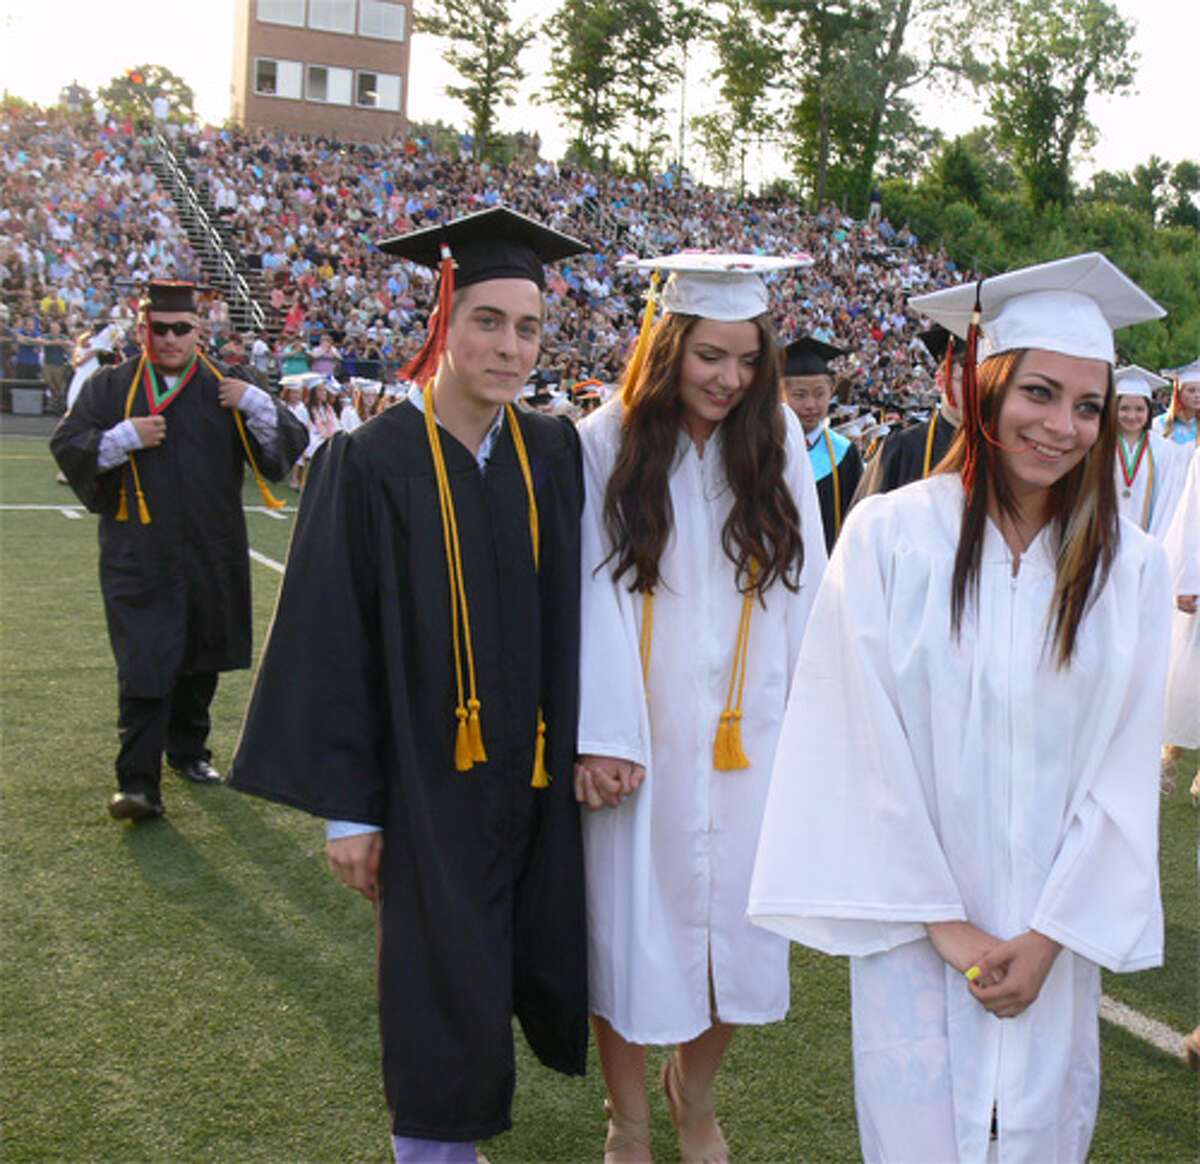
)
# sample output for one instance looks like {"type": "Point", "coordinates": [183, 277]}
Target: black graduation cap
{"type": "Point", "coordinates": [165, 294]}
{"type": "Point", "coordinates": [936, 340]}
{"type": "Point", "coordinates": [493, 244]}
{"type": "Point", "coordinates": [809, 357]}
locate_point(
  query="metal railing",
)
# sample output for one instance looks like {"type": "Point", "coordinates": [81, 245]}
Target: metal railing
{"type": "Point", "coordinates": [185, 195]}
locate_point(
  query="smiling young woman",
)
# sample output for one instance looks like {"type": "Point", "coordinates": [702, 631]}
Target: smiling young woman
{"type": "Point", "coordinates": [701, 552]}
{"type": "Point", "coordinates": [983, 671]}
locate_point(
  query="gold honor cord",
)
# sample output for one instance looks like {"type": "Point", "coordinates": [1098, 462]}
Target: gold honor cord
{"type": "Point", "coordinates": [269, 499]}
{"type": "Point", "coordinates": [468, 740]}
{"type": "Point", "coordinates": [728, 753]}
{"type": "Point", "coordinates": [837, 485]}
{"type": "Point", "coordinates": [122, 505]}
{"type": "Point", "coordinates": [929, 447]}
{"type": "Point", "coordinates": [1149, 487]}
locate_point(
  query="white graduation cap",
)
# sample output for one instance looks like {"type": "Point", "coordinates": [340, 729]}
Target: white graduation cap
{"type": "Point", "coordinates": [1135, 381]}
{"type": "Point", "coordinates": [1070, 306]}
{"type": "Point", "coordinates": [728, 288]}
{"type": "Point", "coordinates": [363, 384]}
{"type": "Point", "coordinates": [1187, 374]}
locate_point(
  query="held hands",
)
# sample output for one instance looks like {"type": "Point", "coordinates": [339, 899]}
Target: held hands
{"type": "Point", "coordinates": [1186, 602]}
{"type": "Point", "coordinates": [151, 430]}
{"type": "Point", "coordinates": [230, 392]}
{"type": "Point", "coordinates": [605, 781]}
{"type": "Point", "coordinates": [356, 861]}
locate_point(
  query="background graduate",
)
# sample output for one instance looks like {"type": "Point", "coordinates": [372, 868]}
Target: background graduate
{"type": "Point", "coordinates": [157, 446]}
{"type": "Point", "coordinates": [965, 795]}
{"type": "Point", "coordinates": [434, 717]}
{"type": "Point", "coordinates": [836, 464]}
{"type": "Point", "coordinates": [701, 556]}
{"type": "Point", "coordinates": [1180, 424]}
{"type": "Point", "coordinates": [914, 452]}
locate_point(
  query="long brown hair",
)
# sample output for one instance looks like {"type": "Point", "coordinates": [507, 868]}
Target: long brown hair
{"type": "Point", "coordinates": [1083, 510]}
{"type": "Point", "coordinates": [763, 526]}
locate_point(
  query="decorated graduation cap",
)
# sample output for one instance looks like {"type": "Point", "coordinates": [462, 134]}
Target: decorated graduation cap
{"type": "Point", "coordinates": [728, 288]}
{"type": "Point", "coordinates": [493, 244]}
{"type": "Point", "coordinates": [1135, 381]}
{"type": "Point", "coordinates": [1071, 306]}
{"type": "Point", "coordinates": [809, 357]}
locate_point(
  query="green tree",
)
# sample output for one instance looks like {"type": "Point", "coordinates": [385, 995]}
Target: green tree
{"type": "Point", "coordinates": [129, 94]}
{"type": "Point", "coordinates": [1056, 54]}
{"type": "Point", "coordinates": [584, 66]}
{"type": "Point", "coordinates": [484, 50]}
{"type": "Point", "coordinates": [644, 41]}
{"type": "Point", "coordinates": [688, 25]}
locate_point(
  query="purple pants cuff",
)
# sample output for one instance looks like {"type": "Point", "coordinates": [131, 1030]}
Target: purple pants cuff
{"type": "Point", "coordinates": [408, 1150]}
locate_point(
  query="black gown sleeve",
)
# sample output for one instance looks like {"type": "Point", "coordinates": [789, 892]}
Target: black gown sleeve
{"type": "Point", "coordinates": [315, 727]}
{"type": "Point", "coordinates": [75, 443]}
{"type": "Point", "coordinates": [291, 437]}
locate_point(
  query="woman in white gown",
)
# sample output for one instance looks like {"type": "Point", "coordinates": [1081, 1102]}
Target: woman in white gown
{"type": "Point", "coordinates": [702, 549]}
{"type": "Point", "coordinates": [1180, 424]}
{"type": "Point", "coordinates": [1149, 469]}
{"type": "Point", "coordinates": [965, 795]}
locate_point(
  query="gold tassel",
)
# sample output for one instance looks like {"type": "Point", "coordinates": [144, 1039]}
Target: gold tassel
{"type": "Point", "coordinates": [736, 755]}
{"type": "Point", "coordinates": [269, 498]}
{"type": "Point", "coordinates": [462, 745]}
{"type": "Point", "coordinates": [721, 744]}
{"type": "Point", "coordinates": [143, 509]}
{"type": "Point", "coordinates": [122, 506]}
{"type": "Point", "coordinates": [541, 777]}
{"type": "Point", "coordinates": [643, 344]}
{"type": "Point", "coordinates": [475, 732]}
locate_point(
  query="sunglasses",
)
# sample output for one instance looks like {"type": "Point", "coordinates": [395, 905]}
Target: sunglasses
{"type": "Point", "coordinates": [179, 327]}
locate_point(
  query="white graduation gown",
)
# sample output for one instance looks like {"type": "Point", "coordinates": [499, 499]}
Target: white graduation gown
{"type": "Point", "coordinates": [1182, 544]}
{"type": "Point", "coordinates": [104, 340]}
{"type": "Point", "coordinates": [1185, 437]}
{"type": "Point", "coordinates": [1166, 464]}
{"type": "Point", "coordinates": [919, 779]}
{"type": "Point", "coordinates": [668, 872]}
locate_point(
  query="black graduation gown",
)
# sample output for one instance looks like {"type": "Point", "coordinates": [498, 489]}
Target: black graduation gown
{"type": "Point", "coordinates": [352, 717]}
{"type": "Point", "coordinates": [849, 470]}
{"type": "Point", "coordinates": [176, 590]}
{"type": "Point", "coordinates": [902, 458]}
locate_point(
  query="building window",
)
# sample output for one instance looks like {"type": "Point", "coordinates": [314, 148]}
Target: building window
{"type": "Point", "coordinates": [278, 78]}
{"type": "Point", "coordinates": [378, 91]}
{"type": "Point", "coordinates": [331, 15]}
{"type": "Point", "coordinates": [329, 85]}
{"type": "Point", "coordinates": [282, 12]}
{"type": "Point", "coordinates": [382, 18]}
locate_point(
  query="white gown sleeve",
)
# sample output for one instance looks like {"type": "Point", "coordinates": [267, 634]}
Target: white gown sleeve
{"type": "Point", "coordinates": [1101, 896]}
{"type": "Point", "coordinates": [849, 860]}
{"type": "Point", "coordinates": [612, 694]}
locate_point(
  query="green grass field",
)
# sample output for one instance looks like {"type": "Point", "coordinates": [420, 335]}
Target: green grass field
{"type": "Point", "coordinates": [202, 988]}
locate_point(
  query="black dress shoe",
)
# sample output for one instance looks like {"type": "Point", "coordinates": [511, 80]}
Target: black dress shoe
{"type": "Point", "coordinates": [134, 806]}
{"type": "Point", "coordinates": [198, 772]}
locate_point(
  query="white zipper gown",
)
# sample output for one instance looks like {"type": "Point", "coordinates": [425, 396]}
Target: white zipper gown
{"type": "Point", "coordinates": [919, 779]}
{"type": "Point", "coordinates": [1170, 464]}
{"type": "Point", "coordinates": [668, 872]}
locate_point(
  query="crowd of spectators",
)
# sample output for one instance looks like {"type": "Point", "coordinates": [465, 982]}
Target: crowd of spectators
{"type": "Point", "coordinates": [81, 214]}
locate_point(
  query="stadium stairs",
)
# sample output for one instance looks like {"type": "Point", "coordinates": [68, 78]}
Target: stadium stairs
{"type": "Point", "coordinates": [244, 290]}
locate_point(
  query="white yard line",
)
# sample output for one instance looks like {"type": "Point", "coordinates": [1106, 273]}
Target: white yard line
{"type": "Point", "coordinates": [79, 511]}
{"type": "Point", "coordinates": [1151, 1030]}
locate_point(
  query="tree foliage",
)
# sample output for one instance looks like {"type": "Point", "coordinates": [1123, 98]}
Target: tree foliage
{"type": "Point", "coordinates": [1166, 195]}
{"type": "Point", "coordinates": [484, 50]}
{"type": "Point", "coordinates": [130, 94]}
{"type": "Point", "coordinates": [1055, 55]}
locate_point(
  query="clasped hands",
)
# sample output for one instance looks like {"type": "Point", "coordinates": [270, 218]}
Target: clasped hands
{"type": "Point", "coordinates": [605, 781]}
{"type": "Point", "coordinates": [1011, 972]}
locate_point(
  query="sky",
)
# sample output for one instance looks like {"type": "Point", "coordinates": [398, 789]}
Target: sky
{"type": "Point", "coordinates": [47, 45]}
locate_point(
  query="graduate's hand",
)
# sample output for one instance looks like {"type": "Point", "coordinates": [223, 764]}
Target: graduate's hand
{"type": "Point", "coordinates": [1014, 971]}
{"type": "Point", "coordinates": [1186, 602]}
{"type": "Point", "coordinates": [230, 392]}
{"type": "Point", "coordinates": [960, 943]}
{"type": "Point", "coordinates": [356, 861]}
{"type": "Point", "coordinates": [604, 781]}
{"type": "Point", "coordinates": [151, 430]}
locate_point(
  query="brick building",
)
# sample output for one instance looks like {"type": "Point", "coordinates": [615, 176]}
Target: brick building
{"type": "Point", "coordinates": [337, 67]}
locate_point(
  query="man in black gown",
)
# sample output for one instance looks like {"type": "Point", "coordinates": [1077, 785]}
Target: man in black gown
{"type": "Point", "coordinates": [808, 390]}
{"type": "Point", "coordinates": [156, 446]}
{"type": "Point", "coordinates": [426, 637]}
{"type": "Point", "coordinates": [914, 452]}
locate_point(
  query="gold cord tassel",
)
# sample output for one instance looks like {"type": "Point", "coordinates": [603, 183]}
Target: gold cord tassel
{"type": "Point", "coordinates": [541, 777]}
{"type": "Point", "coordinates": [475, 732]}
{"type": "Point", "coordinates": [462, 743]}
{"type": "Point", "coordinates": [643, 343]}
{"type": "Point", "coordinates": [122, 506]}
{"type": "Point", "coordinates": [728, 753]}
